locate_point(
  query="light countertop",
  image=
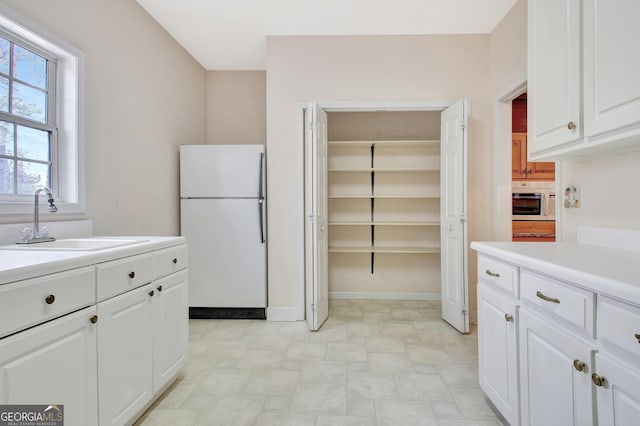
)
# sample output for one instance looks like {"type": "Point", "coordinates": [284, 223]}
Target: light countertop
{"type": "Point", "coordinates": [22, 264]}
{"type": "Point", "coordinates": [612, 271]}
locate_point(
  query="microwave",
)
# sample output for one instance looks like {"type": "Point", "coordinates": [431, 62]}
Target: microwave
{"type": "Point", "coordinates": [533, 201]}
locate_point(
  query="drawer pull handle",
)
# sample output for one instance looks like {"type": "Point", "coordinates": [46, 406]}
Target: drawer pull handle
{"type": "Point", "coordinates": [132, 274]}
{"type": "Point", "coordinates": [547, 298]}
{"type": "Point", "coordinates": [598, 380]}
{"type": "Point", "coordinates": [571, 125]}
{"type": "Point", "coordinates": [492, 274]}
{"type": "Point", "coordinates": [579, 365]}
{"type": "Point", "coordinates": [508, 317]}
{"type": "Point", "coordinates": [159, 288]}
{"type": "Point", "coordinates": [93, 319]}
{"type": "Point", "coordinates": [151, 293]}
{"type": "Point", "coordinates": [50, 299]}
{"type": "Point", "coordinates": [637, 336]}
{"type": "Point", "coordinates": [175, 260]}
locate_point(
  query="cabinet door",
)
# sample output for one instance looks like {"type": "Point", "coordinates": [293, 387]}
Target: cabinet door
{"type": "Point", "coordinates": [53, 363]}
{"type": "Point", "coordinates": [497, 354]}
{"type": "Point", "coordinates": [170, 328]}
{"type": "Point", "coordinates": [611, 65]}
{"type": "Point", "coordinates": [554, 73]}
{"type": "Point", "coordinates": [618, 399]}
{"type": "Point", "coordinates": [518, 156]}
{"type": "Point", "coordinates": [125, 382]}
{"type": "Point", "coordinates": [541, 170]}
{"type": "Point", "coordinates": [553, 391]}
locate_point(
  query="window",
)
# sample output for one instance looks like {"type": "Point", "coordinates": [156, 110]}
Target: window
{"type": "Point", "coordinates": [41, 112]}
{"type": "Point", "coordinates": [27, 121]}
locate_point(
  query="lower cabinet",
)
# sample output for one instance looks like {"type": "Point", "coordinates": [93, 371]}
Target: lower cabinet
{"type": "Point", "coordinates": [617, 388]}
{"type": "Point", "coordinates": [54, 363]}
{"type": "Point", "coordinates": [497, 351]}
{"type": "Point", "coordinates": [142, 342]}
{"type": "Point", "coordinates": [555, 374]}
{"type": "Point", "coordinates": [125, 375]}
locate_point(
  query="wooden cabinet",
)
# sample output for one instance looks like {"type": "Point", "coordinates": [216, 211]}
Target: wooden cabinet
{"type": "Point", "coordinates": [533, 230]}
{"type": "Point", "coordinates": [497, 348]}
{"type": "Point", "coordinates": [54, 363]}
{"type": "Point", "coordinates": [521, 168]}
{"type": "Point", "coordinates": [384, 215]}
{"type": "Point", "coordinates": [555, 374]}
{"type": "Point", "coordinates": [584, 94]}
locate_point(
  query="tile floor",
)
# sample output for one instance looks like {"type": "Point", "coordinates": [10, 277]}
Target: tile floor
{"type": "Point", "coordinates": [372, 363]}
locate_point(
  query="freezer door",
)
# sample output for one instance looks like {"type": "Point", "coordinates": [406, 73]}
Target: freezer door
{"type": "Point", "coordinates": [227, 258]}
{"type": "Point", "coordinates": [221, 171]}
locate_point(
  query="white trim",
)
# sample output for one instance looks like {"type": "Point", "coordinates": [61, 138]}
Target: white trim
{"type": "Point", "coordinates": [282, 313]}
{"type": "Point", "coordinates": [382, 295]}
{"type": "Point", "coordinates": [367, 106]}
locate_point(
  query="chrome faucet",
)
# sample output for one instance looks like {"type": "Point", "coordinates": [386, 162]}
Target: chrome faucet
{"type": "Point", "coordinates": [36, 237]}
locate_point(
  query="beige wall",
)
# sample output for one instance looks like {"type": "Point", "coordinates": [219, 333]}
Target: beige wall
{"type": "Point", "coordinates": [365, 68]}
{"type": "Point", "coordinates": [508, 49]}
{"type": "Point", "coordinates": [236, 107]}
{"type": "Point", "coordinates": [145, 95]}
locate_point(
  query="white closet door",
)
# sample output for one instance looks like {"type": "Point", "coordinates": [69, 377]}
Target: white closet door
{"type": "Point", "coordinates": [453, 211]}
{"type": "Point", "coordinates": [317, 286]}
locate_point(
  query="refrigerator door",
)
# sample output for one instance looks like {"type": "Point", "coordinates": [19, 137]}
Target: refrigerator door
{"type": "Point", "coordinates": [221, 171]}
{"type": "Point", "coordinates": [227, 258]}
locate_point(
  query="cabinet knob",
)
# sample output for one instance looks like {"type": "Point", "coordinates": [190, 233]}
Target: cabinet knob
{"type": "Point", "coordinates": [492, 274]}
{"type": "Point", "coordinates": [530, 172]}
{"type": "Point", "coordinates": [571, 125]}
{"type": "Point", "coordinates": [579, 365]}
{"type": "Point", "coordinates": [598, 380]}
{"type": "Point", "coordinates": [508, 317]}
{"type": "Point", "coordinates": [159, 288]}
{"type": "Point", "coordinates": [637, 336]}
{"type": "Point", "coordinates": [50, 299]}
{"type": "Point", "coordinates": [132, 274]}
{"type": "Point", "coordinates": [175, 260]}
{"type": "Point", "coordinates": [151, 293]}
{"type": "Point", "coordinates": [93, 319]}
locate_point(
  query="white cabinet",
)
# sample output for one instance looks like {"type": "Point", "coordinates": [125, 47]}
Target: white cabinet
{"type": "Point", "coordinates": [170, 328]}
{"type": "Point", "coordinates": [584, 93]}
{"type": "Point", "coordinates": [555, 374]}
{"type": "Point", "coordinates": [554, 116]}
{"type": "Point", "coordinates": [54, 363]}
{"type": "Point", "coordinates": [617, 387]}
{"type": "Point", "coordinates": [497, 350]}
{"type": "Point", "coordinates": [125, 355]}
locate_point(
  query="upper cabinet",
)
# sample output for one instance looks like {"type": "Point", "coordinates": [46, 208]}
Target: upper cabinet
{"type": "Point", "coordinates": [584, 93]}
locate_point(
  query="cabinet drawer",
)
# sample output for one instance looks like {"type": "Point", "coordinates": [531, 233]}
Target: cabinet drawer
{"type": "Point", "coordinates": [119, 276]}
{"type": "Point", "coordinates": [30, 302]}
{"type": "Point", "coordinates": [169, 260]}
{"type": "Point", "coordinates": [619, 324]}
{"type": "Point", "coordinates": [498, 273]}
{"type": "Point", "coordinates": [558, 298]}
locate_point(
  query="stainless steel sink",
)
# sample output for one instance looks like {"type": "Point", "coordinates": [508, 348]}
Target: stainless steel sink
{"type": "Point", "coordinates": [75, 244]}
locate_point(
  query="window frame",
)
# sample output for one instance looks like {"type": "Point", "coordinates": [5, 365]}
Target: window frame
{"type": "Point", "coordinates": [65, 114]}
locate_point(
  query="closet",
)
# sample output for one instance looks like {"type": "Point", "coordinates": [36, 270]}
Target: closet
{"type": "Point", "coordinates": [384, 205]}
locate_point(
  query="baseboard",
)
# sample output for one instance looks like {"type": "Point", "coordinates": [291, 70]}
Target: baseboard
{"type": "Point", "coordinates": [280, 313]}
{"type": "Point", "coordinates": [226, 313]}
{"type": "Point", "coordinates": [382, 296]}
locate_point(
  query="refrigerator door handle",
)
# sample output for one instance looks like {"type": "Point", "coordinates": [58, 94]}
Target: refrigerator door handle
{"type": "Point", "coordinates": [260, 218]}
{"type": "Point", "coordinates": [261, 200]}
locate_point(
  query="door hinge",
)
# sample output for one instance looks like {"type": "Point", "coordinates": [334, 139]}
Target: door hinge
{"type": "Point", "coordinates": [312, 126]}
{"type": "Point", "coordinates": [312, 217]}
{"type": "Point", "coordinates": [463, 124]}
{"type": "Point", "coordinates": [463, 220]}
{"type": "Point", "coordinates": [313, 307]}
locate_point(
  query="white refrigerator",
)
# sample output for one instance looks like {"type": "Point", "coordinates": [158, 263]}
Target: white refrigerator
{"type": "Point", "coordinates": [222, 217]}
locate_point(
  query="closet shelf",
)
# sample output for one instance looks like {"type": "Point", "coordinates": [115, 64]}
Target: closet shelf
{"type": "Point", "coordinates": [380, 223]}
{"type": "Point", "coordinates": [383, 170]}
{"type": "Point", "coordinates": [386, 143]}
{"type": "Point", "coordinates": [397, 197]}
{"type": "Point", "coordinates": [396, 250]}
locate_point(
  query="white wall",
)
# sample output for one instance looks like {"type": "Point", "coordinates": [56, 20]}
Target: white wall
{"type": "Point", "coordinates": [145, 95]}
{"type": "Point", "coordinates": [366, 68]}
{"type": "Point", "coordinates": [236, 107]}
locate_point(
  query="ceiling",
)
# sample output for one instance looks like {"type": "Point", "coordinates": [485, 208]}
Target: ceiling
{"type": "Point", "coordinates": [231, 34]}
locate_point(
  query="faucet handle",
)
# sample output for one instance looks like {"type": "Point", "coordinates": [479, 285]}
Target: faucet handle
{"type": "Point", "coordinates": [26, 233]}
{"type": "Point", "coordinates": [44, 231]}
